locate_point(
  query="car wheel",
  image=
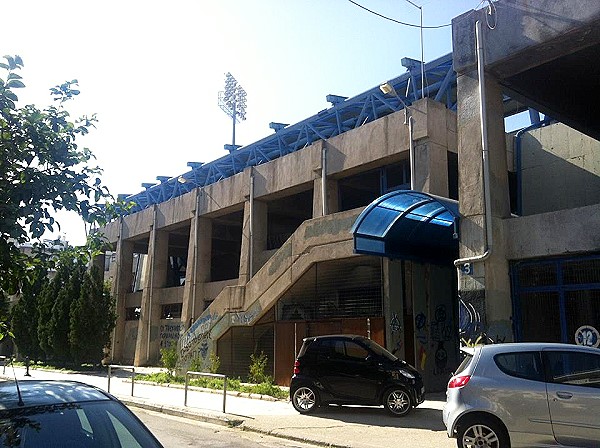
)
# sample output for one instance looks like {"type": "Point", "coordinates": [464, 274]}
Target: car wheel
{"type": "Point", "coordinates": [397, 402]}
{"type": "Point", "coordinates": [482, 432]}
{"type": "Point", "coordinates": [305, 399]}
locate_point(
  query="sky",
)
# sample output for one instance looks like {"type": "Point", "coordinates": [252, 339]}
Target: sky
{"type": "Point", "coordinates": [152, 70]}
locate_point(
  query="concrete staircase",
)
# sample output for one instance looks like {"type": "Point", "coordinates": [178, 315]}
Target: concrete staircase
{"type": "Point", "coordinates": [316, 240]}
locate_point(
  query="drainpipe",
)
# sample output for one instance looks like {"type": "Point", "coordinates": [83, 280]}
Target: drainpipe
{"type": "Point", "coordinates": [411, 149]}
{"type": "Point", "coordinates": [151, 292]}
{"type": "Point", "coordinates": [251, 227]}
{"type": "Point", "coordinates": [118, 283]}
{"type": "Point", "coordinates": [195, 271]}
{"type": "Point", "coordinates": [518, 168]}
{"type": "Point", "coordinates": [324, 178]}
{"type": "Point", "coordinates": [485, 159]}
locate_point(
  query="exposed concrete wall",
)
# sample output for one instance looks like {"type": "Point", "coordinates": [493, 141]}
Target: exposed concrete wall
{"type": "Point", "coordinates": [527, 28]}
{"type": "Point", "coordinates": [393, 300]}
{"type": "Point", "coordinates": [147, 343]}
{"type": "Point", "coordinates": [550, 234]}
{"type": "Point", "coordinates": [434, 334]}
{"type": "Point", "coordinates": [315, 240]}
{"type": "Point", "coordinates": [372, 145]}
{"type": "Point", "coordinates": [560, 169]}
{"type": "Point", "coordinates": [332, 191]}
{"type": "Point", "coordinates": [488, 287]}
{"type": "Point", "coordinates": [120, 288]}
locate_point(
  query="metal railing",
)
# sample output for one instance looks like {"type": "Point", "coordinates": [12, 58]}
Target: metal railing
{"type": "Point", "coordinates": [212, 375]}
{"type": "Point", "coordinates": [5, 360]}
{"type": "Point", "coordinates": [116, 366]}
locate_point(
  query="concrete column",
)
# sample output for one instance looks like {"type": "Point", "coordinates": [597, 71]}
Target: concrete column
{"type": "Point", "coordinates": [333, 203]}
{"type": "Point", "coordinates": [258, 232]}
{"type": "Point", "coordinates": [198, 270]}
{"type": "Point", "coordinates": [99, 261]}
{"type": "Point", "coordinates": [431, 168]}
{"type": "Point", "coordinates": [121, 286]}
{"type": "Point", "coordinates": [432, 137]}
{"type": "Point", "coordinates": [488, 288]}
{"type": "Point", "coordinates": [393, 302]}
{"type": "Point", "coordinates": [148, 341]}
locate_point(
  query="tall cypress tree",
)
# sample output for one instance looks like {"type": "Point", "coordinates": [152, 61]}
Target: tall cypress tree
{"type": "Point", "coordinates": [25, 315]}
{"type": "Point", "coordinates": [92, 319]}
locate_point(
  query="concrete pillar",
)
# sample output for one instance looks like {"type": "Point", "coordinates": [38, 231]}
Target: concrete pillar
{"type": "Point", "coordinates": [98, 261]}
{"type": "Point", "coordinates": [431, 168]}
{"type": "Point", "coordinates": [148, 340]}
{"type": "Point", "coordinates": [432, 137]}
{"type": "Point", "coordinates": [333, 202]}
{"type": "Point", "coordinates": [198, 270]}
{"type": "Point", "coordinates": [121, 286]}
{"type": "Point", "coordinates": [488, 288]}
{"type": "Point", "coordinates": [258, 232]}
{"type": "Point", "coordinates": [393, 302]}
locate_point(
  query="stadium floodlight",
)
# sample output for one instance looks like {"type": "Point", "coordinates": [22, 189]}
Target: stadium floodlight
{"type": "Point", "coordinates": [232, 101]}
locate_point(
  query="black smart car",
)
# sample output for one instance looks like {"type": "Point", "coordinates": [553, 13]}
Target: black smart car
{"type": "Point", "coordinates": [349, 369]}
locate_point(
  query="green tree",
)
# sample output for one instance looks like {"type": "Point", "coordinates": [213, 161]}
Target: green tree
{"type": "Point", "coordinates": [92, 318]}
{"type": "Point", "coordinates": [54, 307]}
{"type": "Point", "coordinates": [25, 315]}
{"type": "Point", "coordinates": [4, 329]}
{"type": "Point", "coordinates": [60, 321]}
{"type": "Point", "coordinates": [42, 170]}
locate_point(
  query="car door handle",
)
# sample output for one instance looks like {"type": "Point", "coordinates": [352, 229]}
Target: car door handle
{"type": "Point", "coordinates": [564, 395]}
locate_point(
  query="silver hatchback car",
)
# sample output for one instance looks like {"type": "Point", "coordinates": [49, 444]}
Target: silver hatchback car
{"type": "Point", "coordinates": [525, 395]}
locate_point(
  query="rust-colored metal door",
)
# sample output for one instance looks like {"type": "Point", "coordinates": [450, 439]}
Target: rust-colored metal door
{"type": "Point", "coordinates": [289, 335]}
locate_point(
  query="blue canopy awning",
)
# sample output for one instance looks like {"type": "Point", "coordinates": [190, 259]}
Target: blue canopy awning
{"type": "Point", "coordinates": [408, 224]}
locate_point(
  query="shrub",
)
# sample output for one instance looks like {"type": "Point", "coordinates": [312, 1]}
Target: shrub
{"type": "Point", "coordinates": [196, 365]}
{"type": "Point", "coordinates": [258, 364]}
{"type": "Point", "coordinates": [169, 358]}
{"type": "Point", "coordinates": [215, 363]}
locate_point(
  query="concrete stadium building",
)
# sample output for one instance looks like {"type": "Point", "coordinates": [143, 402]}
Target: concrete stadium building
{"type": "Point", "coordinates": [415, 219]}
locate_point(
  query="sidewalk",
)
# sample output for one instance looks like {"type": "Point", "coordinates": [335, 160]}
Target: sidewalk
{"type": "Point", "coordinates": [334, 426]}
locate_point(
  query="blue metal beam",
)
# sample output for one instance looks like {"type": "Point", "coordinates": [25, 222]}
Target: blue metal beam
{"type": "Point", "coordinates": [344, 115]}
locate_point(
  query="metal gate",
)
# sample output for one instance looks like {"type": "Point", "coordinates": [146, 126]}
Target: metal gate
{"type": "Point", "coordinates": [557, 300]}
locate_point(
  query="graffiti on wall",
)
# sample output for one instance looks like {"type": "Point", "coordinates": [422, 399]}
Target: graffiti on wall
{"type": "Point", "coordinates": [472, 325]}
{"type": "Point", "coordinates": [243, 318]}
{"type": "Point", "coordinates": [169, 334]}
{"type": "Point", "coordinates": [197, 335]}
{"type": "Point", "coordinates": [395, 323]}
{"type": "Point", "coordinates": [471, 316]}
{"type": "Point", "coordinates": [441, 332]}
{"type": "Point", "coordinates": [422, 338]}
{"type": "Point", "coordinates": [396, 328]}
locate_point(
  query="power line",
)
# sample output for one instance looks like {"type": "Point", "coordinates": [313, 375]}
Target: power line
{"type": "Point", "coordinates": [398, 21]}
{"type": "Point", "coordinates": [490, 2]}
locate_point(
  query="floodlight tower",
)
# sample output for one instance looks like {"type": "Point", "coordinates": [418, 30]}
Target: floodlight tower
{"type": "Point", "coordinates": [233, 101]}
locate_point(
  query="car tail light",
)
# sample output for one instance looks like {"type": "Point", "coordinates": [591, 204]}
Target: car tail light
{"type": "Point", "coordinates": [296, 367]}
{"type": "Point", "coordinates": [458, 381]}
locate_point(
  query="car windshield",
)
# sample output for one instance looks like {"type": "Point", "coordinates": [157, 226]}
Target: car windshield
{"type": "Point", "coordinates": [379, 350]}
{"type": "Point", "coordinates": [88, 424]}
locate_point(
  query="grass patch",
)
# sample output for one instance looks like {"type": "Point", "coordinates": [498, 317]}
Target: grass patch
{"type": "Point", "coordinates": [216, 383]}
{"type": "Point", "coordinates": [60, 367]}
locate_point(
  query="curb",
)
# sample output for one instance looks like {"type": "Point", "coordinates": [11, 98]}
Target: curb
{"type": "Point", "coordinates": [177, 411]}
{"type": "Point", "coordinates": [223, 420]}
{"type": "Point", "coordinates": [271, 433]}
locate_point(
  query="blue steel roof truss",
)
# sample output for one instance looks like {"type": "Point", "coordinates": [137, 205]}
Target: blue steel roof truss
{"type": "Point", "coordinates": [341, 117]}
